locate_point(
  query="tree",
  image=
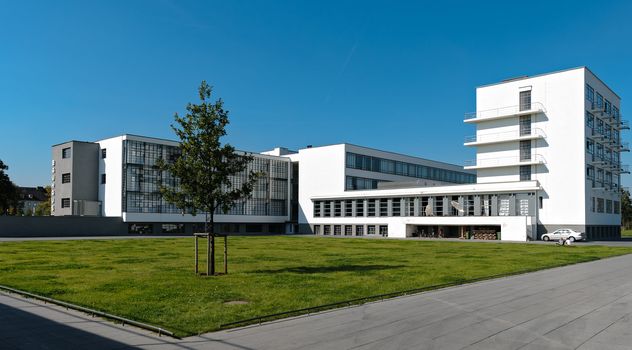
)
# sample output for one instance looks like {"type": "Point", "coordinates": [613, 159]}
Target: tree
{"type": "Point", "coordinates": [205, 168]}
{"type": "Point", "coordinates": [43, 208]}
{"type": "Point", "coordinates": [8, 192]}
{"type": "Point", "coordinates": [626, 209]}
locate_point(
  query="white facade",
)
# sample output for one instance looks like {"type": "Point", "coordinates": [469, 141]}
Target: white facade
{"type": "Point", "coordinates": [532, 130]}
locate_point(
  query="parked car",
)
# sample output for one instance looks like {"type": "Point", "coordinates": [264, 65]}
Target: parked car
{"type": "Point", "coordinates": [564, 233]}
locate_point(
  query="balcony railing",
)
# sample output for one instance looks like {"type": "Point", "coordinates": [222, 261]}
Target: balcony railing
{"type": "Point", "coordinates": [503, 112]}
{"type": "Point", "coordinates": [506, 136]}
{"type": "Point", "coordinates": [504, 161]}
{"type": "Point", "coordinates": [622, 125]}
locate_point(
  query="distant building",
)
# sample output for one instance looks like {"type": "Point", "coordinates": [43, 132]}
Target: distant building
{"type": "Point", "coordinates": [31, 197]}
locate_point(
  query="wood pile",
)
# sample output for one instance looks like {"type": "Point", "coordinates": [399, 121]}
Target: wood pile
{"type": "Point", "coordinates": [484, 234]}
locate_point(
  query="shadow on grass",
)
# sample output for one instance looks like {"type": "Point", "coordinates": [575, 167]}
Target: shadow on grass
{"type": "Point", "coordinates": [329, 269]}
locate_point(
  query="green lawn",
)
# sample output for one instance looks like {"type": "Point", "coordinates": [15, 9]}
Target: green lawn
{"type": "Point", "coordinates": [152, 280]}
{"type": "Point", "coordinates": [626, 233]}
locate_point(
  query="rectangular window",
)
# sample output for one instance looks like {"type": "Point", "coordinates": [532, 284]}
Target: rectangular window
{"type": "Point", "coordinates": [525, 172]}
{"type": "Point", "coordinates": [66, 153]}
{"type": "Point", "coordinates": [348, 208]}
{"type": "Point", "coordinates": [326, 230]}
{"type": "Point", "coordinates": [600, 205]}
{"type": "Point", "coordinates": [592, 204]}
{"type": "Point", "coordinates": [590, 120]}
{"type": "Point", "coordinates": [525, 100]}
{"type": "Point", "coordinates": [600, 126]}
{"type": "Point", "coordinates": [599, 101]}
{"type": "Point", "coordinates": [172, 228]}
{"type": "Point", "coordinates": [540, 202]}
{"type": "Point", "coordinates": [337, 230]}
{"type": "Point", "coordinates": [525, 125]}
{"type": "Point", "coordinates": [384, 207]}
{"type": "Point", "coordinates": [65, 202]}
{"type": "Point", "coordinates": [371, 207]}
{"type": "Point", "coordinates": [348, 230]}
{"type": "Point", "coordinates": [609, 206]}
{"type": "Point", "coordinates": [590, 172]}
{"type": "Point", "coordinates": [102, 179]}
{"type": "Point", "coordinates": [525, 150]}
{"type": "Point", "coordinates": [327, 212]}
{"type": "Point", "coordinates": [590, 147]}
{"type": "Point", "coordinates": [337, 208]}
{"type": "Point", "coordinates": [608, 107]}
{"type": "Point", "coordinates": [370, 229]}
{"type": "Point", "coordinates": [359, 230]}
{"type": "Point", "coordinates": [65, 178]}
{"type": "Point", "coordinates": [384, 230]}
{"type": "Point", "coordinates": [590, 93]}
{"type": "Point", "coordinates": [103, 153]}
{"type": "Point", "coordinates": [617, 207]}
{"type": "Point", "coordinates": [397, 204]}
{"type": "Point", "coordinates": [317, 209]}
{"type": "Point", "coordinates": [316, 229]}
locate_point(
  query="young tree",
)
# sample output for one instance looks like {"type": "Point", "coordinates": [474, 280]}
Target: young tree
{"type": "Point", "coordinates": [205, 167]}
{"type": "Point", "coordinates": [626, 209]}
{"type": "Point", "coordinates": [8, 192]}
{"type": "Point", "coordinates": [43, 208]}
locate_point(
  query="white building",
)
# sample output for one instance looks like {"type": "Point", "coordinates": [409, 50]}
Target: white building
{"type": "Point", "coordinates": [547, 156]}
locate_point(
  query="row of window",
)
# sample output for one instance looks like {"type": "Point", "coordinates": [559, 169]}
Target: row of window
{"type": "Point", "coordinates": [361, 183]}
{"type": "Point", "coordinates": [597, 100]}
{"type": "Point", "coordinates": [602, 128]}
{"type": "Point", "coordinates": [601, 205]}
{"type": "Point", "coordinates": [602, 152]}
{"type": "Point", "coordinates": [142, 181]}
{"type": "Point", "coordinates": [388, 166]}
{"type": "Point", "coordinates": [480, 205]}
{"type": "Point", "coordinates": [350, 230]}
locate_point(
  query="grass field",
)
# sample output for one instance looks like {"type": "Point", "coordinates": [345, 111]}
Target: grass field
{"type": "Point", "coordinates": [152, 280]}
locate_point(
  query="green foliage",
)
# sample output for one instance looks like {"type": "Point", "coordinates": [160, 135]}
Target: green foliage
{"type": "Point", "coordinates": [205, 166]}
{"type": "Point", "coordinates": [151, 280]}
{"type": "Point", "coordinates": [43, 208]}
{"type": "Point", "coordinates": [626, 209]}
{"type": "Point", "coordinates": [8, 193]}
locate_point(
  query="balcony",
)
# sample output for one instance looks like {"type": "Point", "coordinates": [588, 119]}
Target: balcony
{"type": "Point", "coordinates": [622, 147]}
{"type": "Point", "coordinates": [621, 169]}
{"type": "Point", "coordinates": [502, 162]}
{"type": "Point", "coordinates": [502, 113]}
{"type": "Point", "coordinates": [622, 125]}
{"type": "Point", "coordinates": [508, 136]}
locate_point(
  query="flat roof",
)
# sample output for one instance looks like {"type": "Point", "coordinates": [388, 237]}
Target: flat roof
{"type": "Point", "coordinates": [524, 77]}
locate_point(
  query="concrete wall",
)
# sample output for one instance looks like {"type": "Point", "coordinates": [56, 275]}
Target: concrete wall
{"type": "Point", "coordinates": [110, 193]}
{"type": "Point", "coordinates": [60, 226]}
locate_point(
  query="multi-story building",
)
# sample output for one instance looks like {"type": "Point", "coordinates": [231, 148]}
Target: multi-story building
{"type": "Point", "coordinates": [547, 156]}
{"type": "Point", "coordinates": [119, 177]}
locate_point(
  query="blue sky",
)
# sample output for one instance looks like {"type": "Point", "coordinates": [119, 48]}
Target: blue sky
{"type": "Point", "coordinates": [391, 75]}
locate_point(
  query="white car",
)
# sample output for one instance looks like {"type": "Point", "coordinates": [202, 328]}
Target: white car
{"type": "Point", "coordinates": [563, 233]}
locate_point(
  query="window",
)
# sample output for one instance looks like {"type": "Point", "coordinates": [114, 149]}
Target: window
{"type": "Point", "coordinates": [370, 230]}
{"type": "Point", "coordinates": [615, 113]}
{"type": "Point", "coordinates": [316, 229]}
{"type": "Point", "coordinates": [396, 207]}
{"type": "Point", "coordinates": [599, 101]}
{"type": "Point", "coordinates": [102, 179]}
{"type": "Point", "coordinates": [540, 202]}
{"type": "Point", "coordinates": [617, 207]}
{"type": "Point", "coordinates": [384, 230]}
{"type": "Point", "coordinates": [348, 208]}
{"type": "Point", "coordinates": [65, 178]}
{"type": "Point", "coordinates": [609, 206]}
{"type": "Point", "coordinates": [371, 208]}
{"type": "Point", "coordinates": [592, 204]}
{"type": "Point", "coordinates": [525, 150]}
{"type": "Point", "coordinates": [590, 120]}
{"type": "Point", "coordinates": [140, 228]}
{"type": "Point", "coordinates": [103, 153]}
{"type": "Point", "coordinates": [608, 107]}
{"type": "Point", "coordinates": [359, 230]}
{"type": "Point", "coordinates": [590, 147]}
{"type": "Point", "coordinates": [172, 228]}
{"type": "Point", "coordinates": [525, 172]}
{"type": "Point", "coordinates": [348, 230]}
{"type": "Point", "coordinates": [525, 100]}
{"type": "Point", "coordinates": [65, 202]}
{"type": "Point", "coordinates": [600, 126]}
{"type": "Point", "coordinates": [590, 93]}
{"type": "Point", "coordinates": [337, 208]}
{"type": "Point", "coordinates": [326, 230]}
{"type": "Point", "coordinates": [337, 230]}
{"type": "Point", "coordinates": [590, 172]}
{"type": "Point", "coordinates": [384, 207]}
{"type": "Point", "coordinates": [66, 153]}
{"type": "Point", "coordinates": [525, 125]}
{"type": "Point", "coordinates": [317, 209]}
{"type": "Point", "coordinates": [600, 205]}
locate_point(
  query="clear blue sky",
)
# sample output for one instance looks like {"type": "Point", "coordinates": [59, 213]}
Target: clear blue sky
{"type": "Point", "coordinates": [391, 75]}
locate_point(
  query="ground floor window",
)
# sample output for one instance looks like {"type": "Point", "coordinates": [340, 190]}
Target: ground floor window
{"type": "Point", "coordinates": [326, 230]}
{"type": "Point", "coordinates": [142, 229]}
{"type": "Point", "coordinates": [370, 230]}
{"type": "Point", "coordinates": [337, 230]}
{"type": "Point", "coordinates": [359, 230]}
{"type": "Point", "coordinates": [316, 229]}
{"type": "Point", "coordinates": [172, 228]}
{"type": "Point", "coordinates": [348, 230]}
{"type": "Point", "coordinates": [384, 230]}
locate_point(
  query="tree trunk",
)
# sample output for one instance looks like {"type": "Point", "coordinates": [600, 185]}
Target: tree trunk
{"type": "Point", "coordinates": [211, 238]}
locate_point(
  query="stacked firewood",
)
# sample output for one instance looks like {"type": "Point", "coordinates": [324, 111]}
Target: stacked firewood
{"type": "Point", "coordinates": [485, 234]}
